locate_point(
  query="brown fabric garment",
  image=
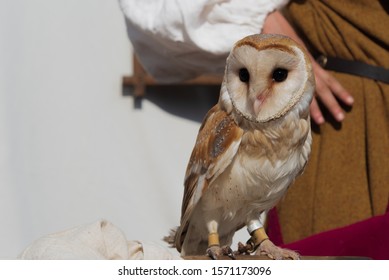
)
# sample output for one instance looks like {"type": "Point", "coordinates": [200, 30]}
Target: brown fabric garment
{"type": "Point", "coordinates": [347, 177]}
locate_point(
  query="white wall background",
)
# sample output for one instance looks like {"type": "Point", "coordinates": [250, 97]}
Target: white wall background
{"type": "Point", "coordinates": [72, 148]}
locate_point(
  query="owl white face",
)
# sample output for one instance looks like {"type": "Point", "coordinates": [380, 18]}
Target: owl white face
{"type": "Point", "coordinates": [266, 80]}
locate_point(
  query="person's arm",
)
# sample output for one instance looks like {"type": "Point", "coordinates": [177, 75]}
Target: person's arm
{"type": "Point", "coordinates": [327, 87]}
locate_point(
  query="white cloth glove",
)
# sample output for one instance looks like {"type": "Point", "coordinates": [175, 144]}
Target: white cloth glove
{"type": "Point", "coordinates": [97, 241]}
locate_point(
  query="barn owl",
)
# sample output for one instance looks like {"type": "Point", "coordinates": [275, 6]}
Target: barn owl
{"type": "Point", "coordinates": [250, 147]}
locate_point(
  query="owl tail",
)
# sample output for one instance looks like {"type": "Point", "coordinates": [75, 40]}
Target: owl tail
{"type": "Point", "coordinates": [171, 238]}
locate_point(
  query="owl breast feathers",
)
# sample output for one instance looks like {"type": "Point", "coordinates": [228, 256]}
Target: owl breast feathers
{"type": "Point", "coordinates": [250, 146]}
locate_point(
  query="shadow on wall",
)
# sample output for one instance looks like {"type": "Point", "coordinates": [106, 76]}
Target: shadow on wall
{"type": "Point", "coordinates": [190, 102]}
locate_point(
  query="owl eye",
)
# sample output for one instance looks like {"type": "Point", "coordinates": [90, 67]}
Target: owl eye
{"type": "Point", "coordinates": [280, 75]}
{"type": "Point", "coordinates": [244, 75]}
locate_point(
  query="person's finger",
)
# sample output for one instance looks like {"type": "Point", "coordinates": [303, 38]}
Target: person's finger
{"type": "Point", "coordinates": [329, 101]}
{"type": "Point", "coordinates": [340, 92]}
{"type": "Point", "coordinates": [315, 112]}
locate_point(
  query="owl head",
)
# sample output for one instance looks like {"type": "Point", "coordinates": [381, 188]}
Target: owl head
{"type": "Point", "coordinates": [267, 76]}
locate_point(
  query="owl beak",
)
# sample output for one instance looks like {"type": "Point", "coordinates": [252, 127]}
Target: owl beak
{"type": "Point", "coordinates": [257, 106]}
{"type": "Point", "coordinates": [259, 100]}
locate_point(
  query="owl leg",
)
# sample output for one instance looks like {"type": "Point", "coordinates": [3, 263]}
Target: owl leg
{"type": "Point", "coordinates": [214, 250]}
{"type": "Point", "coordinates": [261, 245]}
{"type": "Point", "coordinates": [258, 235]}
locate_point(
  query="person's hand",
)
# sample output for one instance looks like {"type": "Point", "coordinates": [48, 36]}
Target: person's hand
{"type": "Point", "coordinates": [328, 89]}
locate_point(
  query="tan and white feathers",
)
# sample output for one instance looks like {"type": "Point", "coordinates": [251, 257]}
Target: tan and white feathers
{"type": "Point", "coordinates": [250, 146]}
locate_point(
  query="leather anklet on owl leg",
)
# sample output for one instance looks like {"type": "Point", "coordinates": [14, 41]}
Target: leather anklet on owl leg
{"type": "Point", "coordinates": [213, 239]}
{"type": "Point", "coordinates": [214, 249]}
{"type": "Point", "coordinates": [257, 237]}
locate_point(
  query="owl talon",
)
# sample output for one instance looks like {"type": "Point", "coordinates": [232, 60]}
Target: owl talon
{"type": "Point", "coordinates": [227, 251]}
{"type": "Point", "coordinates": [214, 252]}
{"type": "Point", "coordinates": [243, 249]}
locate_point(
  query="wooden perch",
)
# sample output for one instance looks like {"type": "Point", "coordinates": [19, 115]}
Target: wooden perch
{"type": "Point", "coordinates": [140, 80]}
{"type": "Point", "coordinates": [255, 257]}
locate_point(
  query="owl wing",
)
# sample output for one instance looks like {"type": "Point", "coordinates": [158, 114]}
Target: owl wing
{"type": "Point", "coordinates": [216, 145]}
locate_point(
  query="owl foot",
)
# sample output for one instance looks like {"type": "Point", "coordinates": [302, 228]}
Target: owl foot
{"type": "Point", "coordinates": [214, 252]}
{"type": "Point", "coordinates": [268, 248]}
{"type": "Point", "coordinates": [243, 249]}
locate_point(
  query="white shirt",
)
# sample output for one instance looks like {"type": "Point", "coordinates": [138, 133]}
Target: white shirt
{"type": "Point", "coordinates": [177, 40]}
